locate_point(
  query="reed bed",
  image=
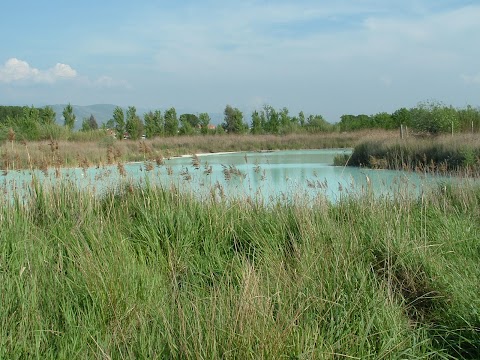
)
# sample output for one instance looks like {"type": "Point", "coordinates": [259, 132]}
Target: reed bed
{"type": "Point", "coordinates": [440, 154]}
{"type": "Point", "coordinates": [106, 150]}
{"type": "Point", "coordinates": [146, 272]}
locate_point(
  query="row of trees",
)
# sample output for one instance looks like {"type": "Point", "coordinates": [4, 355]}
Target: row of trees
{"type": "Point", "coordinates": [32, 123]}
{"type": "Point", "coordinates": [266, 121]}
{"type": "Point", "coordinates": [270, 121]}
{"type": "Point", "coordinates": [155, 123]}
{"type": "Point", "coordinates": [40, 123]}
{"type": "Point", "coordinates": [427, 117]}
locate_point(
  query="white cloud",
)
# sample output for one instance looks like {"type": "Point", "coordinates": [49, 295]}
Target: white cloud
{"type": "Point", "coordinates": [471, 79]}
{"type": "Point", "coordinates": [108, 82]}
{"type": "Point", "coordinates": [62, 71]}
{"type": "Point", "coordinates": [238, 37]}
{"type": "Point", "coordinates": [15, 70]}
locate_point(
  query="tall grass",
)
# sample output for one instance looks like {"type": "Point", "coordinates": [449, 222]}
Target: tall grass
{"type": "Point", "coordinates": [150, 273]}
{"type": "Point", "coordinates": [87, 149]}
{"type": "Point", "coordinates": [444, 154]}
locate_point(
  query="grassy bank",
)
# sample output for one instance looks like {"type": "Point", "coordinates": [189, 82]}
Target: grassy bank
{"type": "Point", "coordinates": [145, 273]}
{"type": "Point", "coordinates": [442, 154]}
{"type": "Point", "coordinates": [106, 150]}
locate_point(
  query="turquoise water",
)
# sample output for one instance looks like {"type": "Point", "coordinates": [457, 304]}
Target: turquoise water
{"type": "Point", "coordinates": [265, 176]}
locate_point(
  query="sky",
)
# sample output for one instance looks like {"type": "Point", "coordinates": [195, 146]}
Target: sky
{"type": "Point", "coordinates": [328, 57]}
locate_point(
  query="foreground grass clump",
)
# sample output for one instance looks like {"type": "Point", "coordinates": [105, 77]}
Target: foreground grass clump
{"type": "Point", "coordinates": [441, 154]}
{"type": "Point", "coordinates": [151, 273]}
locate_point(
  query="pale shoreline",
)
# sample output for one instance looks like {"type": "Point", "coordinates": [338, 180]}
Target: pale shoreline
{"type": "Point", "coordinates": [225, 153]}
{"type": "Point", "coordinates": [206, 154]}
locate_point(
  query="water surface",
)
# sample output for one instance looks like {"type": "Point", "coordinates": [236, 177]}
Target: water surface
{"type": "Point", "coordinates": [266, 176]}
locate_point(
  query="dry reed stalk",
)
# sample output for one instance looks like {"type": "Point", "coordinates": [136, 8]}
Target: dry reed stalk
{"type": "Point", "coordinates": [121, 169]}
{"type": "Point", "coordinates": [117, 154]}
{"type": "Point", "coordinates": [159, 160]}
{"type": "Point", "coordinates": [145, 149]}
{"type": "Point", "coordinates": [11, 136]}
{"type": "Point", "coordinates": [148, 166]}
{"type": "Point", "coordinates": [110, 155]}
{"type": "Point", "coordinates": [195, 162]}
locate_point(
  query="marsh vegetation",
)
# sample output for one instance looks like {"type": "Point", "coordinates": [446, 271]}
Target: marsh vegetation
{"type": "Point", "coordinates": [446, 154]}
{"type": "Point", "coordinates": [105, 150]}
{"type": "Point", "coordinates": [148, 272]}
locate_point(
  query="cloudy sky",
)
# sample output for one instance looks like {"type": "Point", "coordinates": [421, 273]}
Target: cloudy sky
{"type": "Point", "coordinates": [328, 57]}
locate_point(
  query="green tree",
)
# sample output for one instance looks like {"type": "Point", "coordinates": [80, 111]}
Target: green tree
{"type": "Point", "coordinates": [272, 123]}
{"type": "Point", "coordinates": [469, 118]}
{"type": "Point", "coordinates": [301, 118]}
{"type": "Point", "coordinates": [204, 119]}
{"type": "Point", "coordinates": [89, 124]}
{"type": "Point", "coordinates": [47, 116]}
{"type": "Point", "coordinates": [256, 127]}
{"type": "Point", "coordinates": [93, 122]}
{"type": "Point", "coordinates": [10, 111]}
{"type": "Point", "coordinates": [192, 119]}
{"type": "Point", "coordinates": [233, 121]}
{"type": "Point", "coordinates": [31, 114]}
{"type": "Point", "coordinates": [153, 124]}
{"type": "Point", "coordinates": [382, 120]}
{"type": "Point", "coordinates": [287, 124]}
{"type": "Point", "coordinates": [27, 126]}
{"type": "Point", "coordinates": [110, 124]}
{"type": "Point", "coordinates": [400, 117]}
{"type": "Point", "coordinates": [85, 125]}
{"type": "Point", "coordinates": [185, 128]}
{"type": "Point", "coordinates": [69, 117]}
{"type": "Point", "coordinates": [119, 121]}
{"type": "Point", "coordinates": [355, 122]}
{"type": "Point", "coordinates": [171, 122]}
{"type": "Point", "coordinates": [434, 118]}
{"type": "Point", "coordinates": [316, 123]}
{"type": "Point", "coordinates": [133, 123]}
{"type": "Point", "coordinates": [189, 124]}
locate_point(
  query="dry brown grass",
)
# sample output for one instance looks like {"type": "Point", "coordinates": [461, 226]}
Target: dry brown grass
{"type": "Point", "coordinates": [62, 153]}
{"type": "Point", "coordinates": [457, 154]}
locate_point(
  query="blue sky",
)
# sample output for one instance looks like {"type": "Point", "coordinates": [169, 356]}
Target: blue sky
{"type": "Point", "coordinates": [323, 57]}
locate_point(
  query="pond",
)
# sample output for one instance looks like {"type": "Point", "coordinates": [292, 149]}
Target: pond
{"type": "Point", "coordinates": [265, 176]}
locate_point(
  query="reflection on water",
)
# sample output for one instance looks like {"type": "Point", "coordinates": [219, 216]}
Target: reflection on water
{"type": "Point", "coordinates": [266, 176]}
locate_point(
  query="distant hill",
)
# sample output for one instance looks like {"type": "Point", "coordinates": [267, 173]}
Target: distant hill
{"type": "Point", "coordinates": [101, 112]}
{"type": "Point", "coordinates": [104, 112]}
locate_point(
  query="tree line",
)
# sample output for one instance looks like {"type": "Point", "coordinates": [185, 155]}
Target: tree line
{"type": "Point", "coordinates": [266, 121]}
{"type": "Point", "coordinates": [429, 117]}
{"type": "Point", "coordinates": [127, 124]}
{"type": "Point", "coordinates": [31, 123]}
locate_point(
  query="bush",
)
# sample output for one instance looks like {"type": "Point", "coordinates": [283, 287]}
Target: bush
{"type": "Point", "coordinates": [434, 118]}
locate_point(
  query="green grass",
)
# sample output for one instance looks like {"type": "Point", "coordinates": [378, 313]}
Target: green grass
{"type": "Point", "coordinates": [151, 273]}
